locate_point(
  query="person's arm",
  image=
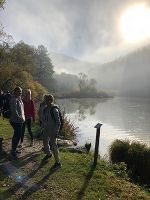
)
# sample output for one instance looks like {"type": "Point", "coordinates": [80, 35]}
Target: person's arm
{"type": "Point", "coordinates": [14, 111]}
{"type": "Point", "coordinates": [57, 118]}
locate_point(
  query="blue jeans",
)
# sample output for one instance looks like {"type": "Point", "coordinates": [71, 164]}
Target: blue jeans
{"type": "Point", "coordinates": [17, 134]}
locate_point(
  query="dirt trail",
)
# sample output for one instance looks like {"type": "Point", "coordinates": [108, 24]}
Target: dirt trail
{"type": "Point", "coordinates": [26, 149]}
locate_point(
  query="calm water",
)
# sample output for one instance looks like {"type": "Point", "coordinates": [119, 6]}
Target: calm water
{"type": "Point", "coordinates": [121, 118]}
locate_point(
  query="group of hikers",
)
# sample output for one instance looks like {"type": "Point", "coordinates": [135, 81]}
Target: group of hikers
{"type": "Point", "coordinates": [21, 114]}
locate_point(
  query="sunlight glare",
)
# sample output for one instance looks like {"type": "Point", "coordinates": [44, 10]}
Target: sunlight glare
{"type": "Point", "coordinates": [135, 24]}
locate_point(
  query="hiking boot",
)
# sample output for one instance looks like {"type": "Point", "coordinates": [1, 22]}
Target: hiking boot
{"type": "Point", "coordinates": [20, 145]}
{"type": "Point", "coordinates": [56, 166]}
{"type": "Point", "coordinates": [47, 157]}
{"type": "Point", "coordinates": [13, 155]}
{"type": "Point", "coordinates": [18, 151]}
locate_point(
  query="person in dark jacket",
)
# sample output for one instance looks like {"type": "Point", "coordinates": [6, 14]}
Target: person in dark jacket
{"type": "Point", "coordinates": [50, 131]}
{"type": "Point", "coordinates": [17, 119]}
{"type": "Point", "coordinates": [29, 111]}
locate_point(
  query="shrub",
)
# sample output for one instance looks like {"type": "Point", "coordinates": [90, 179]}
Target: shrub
{"type": "Point", "coordinates": [69, 130]}
{"type": "Point", "coordinates": [119, 150]}
{"type": "Point", "coordinates": [135, 155]}
{"type": "Point", "coordinates": [136, 158]}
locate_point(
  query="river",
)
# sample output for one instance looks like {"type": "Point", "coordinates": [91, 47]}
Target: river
{"type": "Point", "coordinates": [122, 118]}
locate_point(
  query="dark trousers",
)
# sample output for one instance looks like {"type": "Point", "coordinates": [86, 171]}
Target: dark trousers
{"type": "Point", "coordinates": [27, 123]}
{"type": "Point", "coordinates": [17, 134]}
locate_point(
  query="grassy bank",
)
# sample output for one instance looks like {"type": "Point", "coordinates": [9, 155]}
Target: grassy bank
{"type": "Point", "coordinates": [30, 179]}
{"type": "Point", "coordinates": [76, 180]}
{"type": "Point", "coordinates": [5, 129]}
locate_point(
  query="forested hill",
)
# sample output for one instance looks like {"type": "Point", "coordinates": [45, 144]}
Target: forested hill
{"type": "Point", "coordinates": [128, 76]}
{"type": "Point", "coordinates": [26, 66]}
{"type": "Point", "coordinates": [31, 67]}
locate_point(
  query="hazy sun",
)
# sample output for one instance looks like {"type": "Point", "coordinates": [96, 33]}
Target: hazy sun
{"type": "Point", "coordinates": [135, 23]}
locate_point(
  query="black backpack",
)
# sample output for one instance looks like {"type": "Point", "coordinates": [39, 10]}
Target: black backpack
{"type": "Point", "coordinates": [60, 116]}
{"type": "Point", "coordinates": [6, 106]}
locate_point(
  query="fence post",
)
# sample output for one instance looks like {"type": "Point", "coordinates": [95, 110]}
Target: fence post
{"type": "Point", "coordinates": [98, 126]}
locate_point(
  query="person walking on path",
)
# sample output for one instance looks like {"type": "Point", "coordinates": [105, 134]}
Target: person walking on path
{"type": "Point", "coordinates": [29, 110]}
{"type": "Point", "coordinates": [50, 131]}
{"type": "Point", "coordinates": [17, 119]}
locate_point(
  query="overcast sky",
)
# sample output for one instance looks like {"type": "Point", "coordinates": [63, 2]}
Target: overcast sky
{"type": "Point", "coordinates": [84, 29]}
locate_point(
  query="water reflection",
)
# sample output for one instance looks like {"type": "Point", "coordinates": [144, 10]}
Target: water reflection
{"type": "Point", "coordinates": [121, 118]}
{"type": "Point", "coordinates": [85, 107]}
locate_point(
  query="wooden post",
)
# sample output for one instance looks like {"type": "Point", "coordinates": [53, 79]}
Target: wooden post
{"type": "Point", "coordinates": [98, 126]}
{"type": "Point", "coordinates": [1, 144]}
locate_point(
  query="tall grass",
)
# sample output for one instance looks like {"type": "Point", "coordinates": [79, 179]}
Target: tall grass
{"type": "Point", "coordinates": [119, 151]}
{"type": "Point", "coordinates": [137, 157]}
{"type": "Point", "coordinates": [69, 130]}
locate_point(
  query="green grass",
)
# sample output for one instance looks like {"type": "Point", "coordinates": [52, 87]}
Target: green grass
{"type": "Point", "coordinates": [75, 180]}
{"type": "Point", "coordinates": [5, 129]}
{"type": "Point", "coordinates": [28, 179]}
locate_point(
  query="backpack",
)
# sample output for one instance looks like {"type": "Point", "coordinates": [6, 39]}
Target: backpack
{"type": "Point", "coordinates": [60, 116]}
{"type": "Point", "coordinates": [6, 106]}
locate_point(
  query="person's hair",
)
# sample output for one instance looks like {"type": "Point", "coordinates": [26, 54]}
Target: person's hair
{"type": "Point", "coordinates": [50, 97]}
{"type": "Point", "coordinates": [28, 91]}
{"type": "Point", "coordinates": [17, 88]}
{"type": "Point", "coordinates": [27, 94]}
{"type": "Point", "coordinates": [44, 97]}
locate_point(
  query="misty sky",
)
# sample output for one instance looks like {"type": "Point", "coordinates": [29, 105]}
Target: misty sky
{"type": "Point", "coordinates": [84, 29]}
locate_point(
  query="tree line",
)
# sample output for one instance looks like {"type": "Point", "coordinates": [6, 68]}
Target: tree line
{"type": "Point", "coordinates": [27, 66]}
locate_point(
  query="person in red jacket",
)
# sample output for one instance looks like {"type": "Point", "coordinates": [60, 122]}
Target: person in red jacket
{"type": "Point", "coordinates": [29, 115]}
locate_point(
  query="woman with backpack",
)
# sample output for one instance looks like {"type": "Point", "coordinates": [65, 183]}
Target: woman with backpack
{"type": "Point", "coordinates": [29, 111]}
{"type": "Point", "coordinates": [51, 126]}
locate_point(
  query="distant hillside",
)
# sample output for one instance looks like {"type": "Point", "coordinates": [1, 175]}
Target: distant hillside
{"type": "Point", "coordinates": [70, 65]}
{"type": "Point", "coordinates": [66, 83]}
{"type": "Point", "coordinates": [129, 75]}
